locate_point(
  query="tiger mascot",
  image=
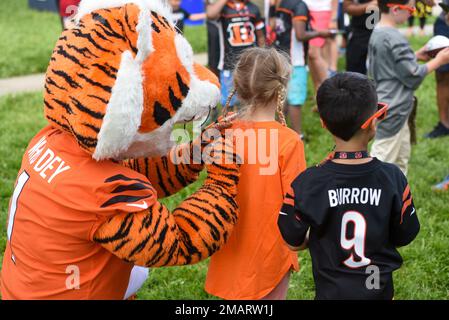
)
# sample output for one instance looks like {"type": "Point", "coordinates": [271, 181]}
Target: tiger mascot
{"type": "Point", "coordinates": [84, 219]}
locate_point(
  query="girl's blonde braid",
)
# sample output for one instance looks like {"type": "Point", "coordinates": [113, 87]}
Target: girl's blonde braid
{"type": "Point", "coordinates": [225, 110]}
{"type": "Point", "coordinates": [282, 94]}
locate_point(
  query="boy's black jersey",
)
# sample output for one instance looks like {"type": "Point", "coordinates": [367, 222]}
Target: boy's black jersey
{"type": "Point", "coordinates": [239, 22]}
{"type": "Point", "coordinates": [286, 14]}
{"type": "Point", "coordinates": [358, 215]}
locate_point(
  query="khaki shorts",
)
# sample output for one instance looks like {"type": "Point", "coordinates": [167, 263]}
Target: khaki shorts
{"type": "Point", "coordinates": [396, 149]}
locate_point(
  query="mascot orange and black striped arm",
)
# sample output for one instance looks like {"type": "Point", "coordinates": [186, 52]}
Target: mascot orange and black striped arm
{"type": "Point", "coordinates": [84, 219]}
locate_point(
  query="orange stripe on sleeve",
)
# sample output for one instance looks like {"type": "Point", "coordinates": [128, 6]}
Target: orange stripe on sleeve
{"type": "Point", "coordinates": [406, 192]}
{"type": "Point", "coordinates": [405, 207]}
{"type": "Point", "coordinates": [300, 18]}
{"type": "Point", "coordinates": [289, 202]}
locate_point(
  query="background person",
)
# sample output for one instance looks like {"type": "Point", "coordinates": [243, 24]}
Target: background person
{"type": "Point", "coordinates": [441, 27]}
{"type": "Point", "coordinates": [242, 27]}
{"type": "Point", "coordinates": [180, 15]}
{"type": "Point", "coordinates": [293, 34]}
{"type": "Point", "coordinates": [67, 12]}
{"type": "Point", "coordinates": [393, 66]}
{"type": "Point", "coordinates": [324, 16]}
{"type": "Point", "coordinates": [360, 33]}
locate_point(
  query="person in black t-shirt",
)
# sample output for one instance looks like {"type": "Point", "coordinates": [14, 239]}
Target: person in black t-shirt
{"type": "Point", "coordinates": [357, 209]}
{"type": "Point", "coordinates": [241, 27]}
{"type": "Point", "coordinates": [180, 15]}
{"type": "Point", "coordinates": [362, 25]}
{"type": "Point", "coordinates": [293, 33]}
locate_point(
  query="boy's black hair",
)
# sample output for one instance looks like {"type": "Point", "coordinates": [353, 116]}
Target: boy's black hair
{"type": "Point", "coordinates": [383, 4]}
{"type": "Point", "coordinates": [345, 102]}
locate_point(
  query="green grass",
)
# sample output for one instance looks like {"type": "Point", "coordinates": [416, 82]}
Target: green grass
{"type": "Point", "coordinates": [425, 274]}
{"type": "Point", "coordinates": [27, 38]}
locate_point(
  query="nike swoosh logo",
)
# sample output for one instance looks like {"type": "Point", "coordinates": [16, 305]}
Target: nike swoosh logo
{"type": "Point", "coordinates": [283, 213]}
{"type": "Point", "coordinates": [143, 205]}
{"type": "Point", "coordinates": [413, 212]}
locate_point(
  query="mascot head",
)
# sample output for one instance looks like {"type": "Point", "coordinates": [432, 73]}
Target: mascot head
{"type": "Point", "coordinates": [123, 77]}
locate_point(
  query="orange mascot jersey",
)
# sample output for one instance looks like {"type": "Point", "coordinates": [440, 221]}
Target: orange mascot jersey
{"type": "Point", "coordinates": [78, 194]}
{"type": "Point", "coordinates": [255, 259]}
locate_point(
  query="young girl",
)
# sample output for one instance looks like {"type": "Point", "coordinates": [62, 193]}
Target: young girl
{"type": "Point", "coordinates": [255, 263]}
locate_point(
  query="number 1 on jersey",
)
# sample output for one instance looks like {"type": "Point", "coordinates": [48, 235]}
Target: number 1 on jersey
{"type": "Point", "coordinates": [21, 181]}
{"type": "Point", "coordinates": [357, 242]}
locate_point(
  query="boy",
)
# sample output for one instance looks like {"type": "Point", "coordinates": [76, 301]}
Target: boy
{"type": "Point", "coordinates": [180, 15]}
{"type": "Point", "coordinates": [292, 36]}
{"type": "Point", "coordinates": [394, 67]}
{"type": "Point", "coordinates": [242, 27]}
{"type": "Point", "coordinates": [358, 209]}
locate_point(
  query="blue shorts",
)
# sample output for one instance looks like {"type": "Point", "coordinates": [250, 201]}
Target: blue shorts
{"type": "Point", "coordinates": [297, 88]}
{"type": "Point", "coordinates": [227, 85]}
{"type": "Point", "coordinates": [441, 28]}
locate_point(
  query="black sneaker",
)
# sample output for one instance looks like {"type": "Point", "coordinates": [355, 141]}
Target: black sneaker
{"type": "Point", "coordinates": [439, 131]}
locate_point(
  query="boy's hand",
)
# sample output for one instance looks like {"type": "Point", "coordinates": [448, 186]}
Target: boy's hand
{"type": "Point", "coordinates": [422, 55]}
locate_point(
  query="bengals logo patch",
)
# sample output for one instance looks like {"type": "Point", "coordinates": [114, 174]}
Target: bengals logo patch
{"type": "Point", "coordinates": [241, 34]}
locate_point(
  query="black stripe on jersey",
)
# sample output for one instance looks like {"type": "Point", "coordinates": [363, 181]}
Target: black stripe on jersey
{"type": "Point", "coordinates": [131, 187]}
{"type": "Point", "coordinates": [125, 178]}
{"type": "Point", "coordinates": [123, 199]}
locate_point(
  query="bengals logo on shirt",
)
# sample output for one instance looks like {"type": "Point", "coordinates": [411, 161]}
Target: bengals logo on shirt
{"type": "Point", "coordinates": [241, 34]}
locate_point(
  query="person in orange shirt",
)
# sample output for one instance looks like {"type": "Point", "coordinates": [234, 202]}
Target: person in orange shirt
{"type": "Point", "coordinates": [256, 263]}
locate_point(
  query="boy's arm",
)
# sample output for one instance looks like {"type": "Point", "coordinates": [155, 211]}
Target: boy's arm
{"type": "Point", "coordinates": [300, 19]}
{"type": "Point", "coordinates": [291, 225]}
{"type": "Point", "coordinates": [213, 10]}
{"type": "Point", "coordinates": [197, 16]}
{"type": "Point", "coordinates": [355, 9]}
{"type": "Point", "coordinates": [407, 68]}
{"type": "Point", "coordinates": [405, 223]}
{"type": "Point", "coordinates": [303, 35]}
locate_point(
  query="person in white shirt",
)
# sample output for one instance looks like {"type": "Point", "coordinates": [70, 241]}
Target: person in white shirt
{"type": "Point", "coordinates": [323, 53]}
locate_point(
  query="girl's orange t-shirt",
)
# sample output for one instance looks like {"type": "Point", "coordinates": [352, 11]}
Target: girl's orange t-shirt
{"type": "Point", "coordinates": [255, 258]}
